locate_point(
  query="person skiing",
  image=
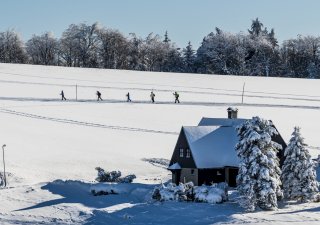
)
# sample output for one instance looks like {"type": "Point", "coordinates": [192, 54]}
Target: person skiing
{"type": "Point", "coordinates": [152, 95]}
{"type": "Point", "coordinates": [128, 97]}
{"type": "Point", "coordinates": [62, 96]}
{"type": "Point", "coordinates": [99, 96]}
{"type": "Point", "coordinates": [176, 95]}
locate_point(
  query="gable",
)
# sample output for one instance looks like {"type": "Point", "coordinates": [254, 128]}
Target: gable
{"type": "Point", "coordinates": [183, 161]}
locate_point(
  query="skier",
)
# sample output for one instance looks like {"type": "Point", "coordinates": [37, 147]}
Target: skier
{"type": "Point", "coordinates": [62, 96]}
{"type": "Point", "coordinates": [176, 95]}
{"type": "Point", "coordinates": [152, 95]}
{"type": "Point", "coordinates": [128, 97]}
{"type": "Point", "coordinates": [99, 96]}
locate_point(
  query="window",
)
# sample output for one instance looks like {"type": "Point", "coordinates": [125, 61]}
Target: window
{"type": "Point", "coordinates": [188, 153]}
{"type": "Point", "coordinates": [192, 171]}
{"type": "Point", "coordinates": [181, 152]}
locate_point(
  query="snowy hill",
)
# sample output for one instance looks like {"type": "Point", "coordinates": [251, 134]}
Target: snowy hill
{"type": "Point", "coordinates": [48, 139]}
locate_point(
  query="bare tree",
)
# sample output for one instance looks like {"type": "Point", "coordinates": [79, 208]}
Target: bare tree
{"type": "Point", "coordinates": [43, 49]}
{"type": "Point", "coordinates": [11, 48]}
{"type": "Point", "coordinates": [113, 49]}
{"type": "Point", "coordinates": [78, 45]}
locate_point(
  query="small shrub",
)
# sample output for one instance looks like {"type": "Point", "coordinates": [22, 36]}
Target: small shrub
{"type": "Point", "coordinates": [113, 176]}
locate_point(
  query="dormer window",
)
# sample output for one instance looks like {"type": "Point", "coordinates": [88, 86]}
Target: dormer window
{"type": "Point", "coordinates": [181, 152]}
{"type": "Point", "coordinates": [188, 154]}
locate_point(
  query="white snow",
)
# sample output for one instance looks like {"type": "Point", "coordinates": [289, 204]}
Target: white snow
{"type": "Point", "coordinates": [48, 140]}
{"type": "Point", "coordinates": [209, 195]}
{"type": "Point", "coordinates": [196, 133]}
{"type": "Point", "coordinates": [175, 166]}
{"type": "Point", "coordinates": [213, 146]}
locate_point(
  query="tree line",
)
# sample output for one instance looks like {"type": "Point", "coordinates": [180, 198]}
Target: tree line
{"type": "Point", "coordinates": [254, 53]}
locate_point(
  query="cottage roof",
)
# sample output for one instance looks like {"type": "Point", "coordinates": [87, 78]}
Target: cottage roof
{"type": "Point", "coordinates": [213, 146]}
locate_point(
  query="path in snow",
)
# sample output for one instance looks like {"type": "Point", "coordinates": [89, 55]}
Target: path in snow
{"type": "Point", "coordinates": [81, 123]}
{"type": "Point", "coordinates": [195, 103]}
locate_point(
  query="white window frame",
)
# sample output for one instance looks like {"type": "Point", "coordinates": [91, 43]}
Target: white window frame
{"type": "Point", "coordinates": [181, 150]}
{"type": "Point", "coordinates": [188, 153]}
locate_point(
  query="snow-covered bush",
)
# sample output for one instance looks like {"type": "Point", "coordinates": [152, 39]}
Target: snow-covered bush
{"type": "Point", "coordinates": [171, 192]}
{"type": "Point", "coordinates": [189, 192]}
{"type": "Point", "coordinates": [258, 181]}
{"type": "Point", "coordinates": [113, 176]}
{"type": "Point", "coordinates": [127, 179]}
{"type": "Point", "coordinates": [298, 171]}
{"type": "Point", "coordinates": [209, 194]}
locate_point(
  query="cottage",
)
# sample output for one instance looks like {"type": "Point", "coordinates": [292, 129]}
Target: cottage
{"type": "Point", "coordinates": [206, 153]}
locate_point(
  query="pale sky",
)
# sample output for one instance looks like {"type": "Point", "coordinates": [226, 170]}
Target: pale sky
{"type": "Point", "coordinates": [184, 19]}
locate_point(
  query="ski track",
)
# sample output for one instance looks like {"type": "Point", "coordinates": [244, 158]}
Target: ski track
{"type": "Point", "coordinates": [162, 102]}
{"type": "Point", "coordinates": [145, 84]}
{"type": "Point", "coordinates": [81, 123]}
{"type": "Point", "coordinates": [252, 94]}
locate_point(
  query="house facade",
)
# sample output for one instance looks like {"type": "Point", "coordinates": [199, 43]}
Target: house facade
{"type": "Point", "coordinates": [206, 153]}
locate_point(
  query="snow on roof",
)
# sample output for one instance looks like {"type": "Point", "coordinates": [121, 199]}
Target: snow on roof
{"type": "Point", "coordinates": [175, 166]}
{"type": "Point", "coordinates": [213, 146]}
{"type": "Point", "coordinates": [220, 122]}
{"type": "Point", "coordinates": [232, 109]}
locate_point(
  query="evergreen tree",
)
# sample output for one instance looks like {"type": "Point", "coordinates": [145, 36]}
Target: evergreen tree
{"type": "Point", "coordinates": [273, 40]}
{"type": "Point", "coordinates": [258, 181]}
{"type": "Point", "coordinates": [189, 58]}
{"type": "Point", "coordinates": [298, 172]}
{"type": "Point", "coordinates": [166, 38]}
{"type": "Point", "coordinates": [256, 28]}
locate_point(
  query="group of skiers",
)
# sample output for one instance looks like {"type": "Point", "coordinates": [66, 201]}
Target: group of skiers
{"type": "Point", "coordinates": [152, 96]}
{"type": "Point", "coordinates": [176, 96]}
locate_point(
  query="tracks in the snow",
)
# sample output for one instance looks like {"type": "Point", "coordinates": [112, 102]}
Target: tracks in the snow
{"type": "Point", "coordinates": [81, 123]}
{"type": "Point", "coordinates": [188, 103]}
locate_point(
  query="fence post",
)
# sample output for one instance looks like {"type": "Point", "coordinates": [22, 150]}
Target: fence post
{"type": "Point", "coordinates": [244, 84]}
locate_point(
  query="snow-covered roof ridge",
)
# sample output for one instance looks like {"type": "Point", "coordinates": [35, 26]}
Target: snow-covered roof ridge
{"type": "Point", "coordinates": [207, 121]}
{"type": "Point", "coordinates": [232, 109]}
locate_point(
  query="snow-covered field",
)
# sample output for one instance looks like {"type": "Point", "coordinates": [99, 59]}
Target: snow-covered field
{"type": "Point", "coordinates": [49, 140]}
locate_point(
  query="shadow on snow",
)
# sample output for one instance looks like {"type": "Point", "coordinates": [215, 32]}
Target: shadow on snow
{"type": "Point", "coordinates": [130, 208]}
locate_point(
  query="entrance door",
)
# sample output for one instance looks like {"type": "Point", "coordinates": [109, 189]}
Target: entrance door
{"type": "Point", "coordinates": [176, 176]}
{"type": "Point", "coordinates": [233, 172]}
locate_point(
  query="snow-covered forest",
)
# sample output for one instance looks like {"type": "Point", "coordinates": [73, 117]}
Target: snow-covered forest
{"type": "Point", "coordinates": [255, 52]}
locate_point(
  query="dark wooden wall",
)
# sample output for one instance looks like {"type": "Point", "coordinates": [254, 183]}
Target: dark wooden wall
{"type": "Point", "coordinates": [182, 143]}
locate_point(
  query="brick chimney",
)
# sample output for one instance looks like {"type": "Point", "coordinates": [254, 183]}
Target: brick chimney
{"type": "Point", "coordinates": [232, 113]}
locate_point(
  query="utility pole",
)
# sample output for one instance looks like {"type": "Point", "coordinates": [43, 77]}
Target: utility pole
{"type": "Point", "coordinates": [244, 84]}
{"type": "Point", "coordinates": [4, 166]}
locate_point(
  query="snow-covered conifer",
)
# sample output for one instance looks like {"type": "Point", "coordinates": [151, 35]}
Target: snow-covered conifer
{"type": "Point", "coordinates": [258, 181]}
{"type": "Point", "coordinates": [189, 58]}
{"type": "Point", "coordinates": [298, 171]}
